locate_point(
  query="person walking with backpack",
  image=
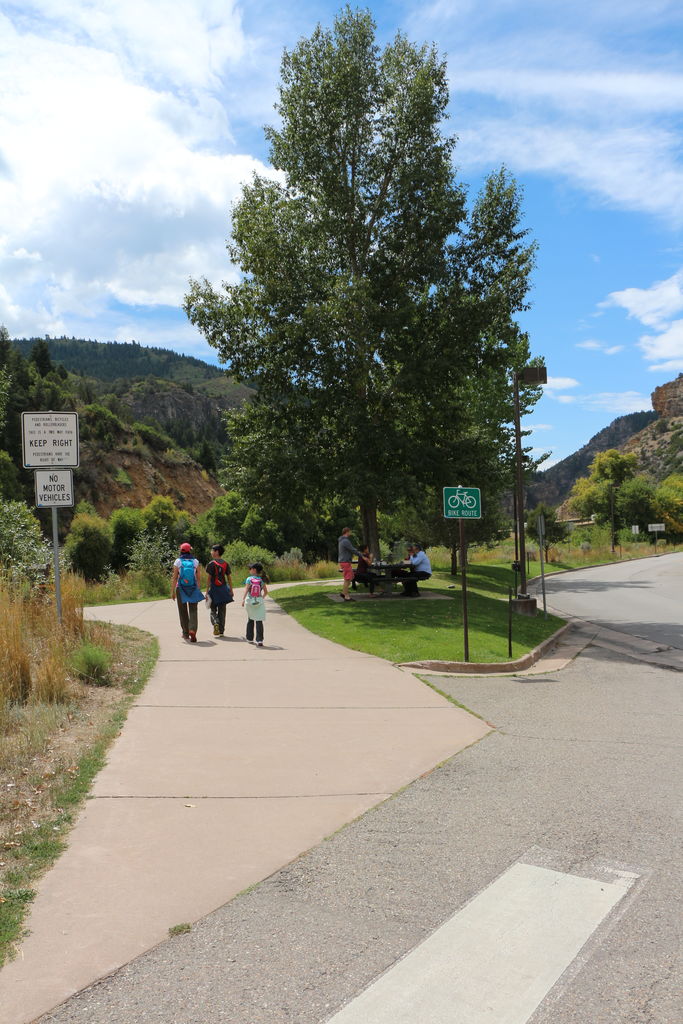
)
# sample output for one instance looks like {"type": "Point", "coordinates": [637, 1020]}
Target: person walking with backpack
{"type": "Point", "coordinates": [255, 592]}
{"type": "Point", "coordinates": [185, 591]}
{"type": "Point", "coordinates": [219, 589]}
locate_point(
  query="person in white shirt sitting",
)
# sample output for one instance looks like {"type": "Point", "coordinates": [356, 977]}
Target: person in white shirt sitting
{"type": "Point", "coordinates": [419, 569]}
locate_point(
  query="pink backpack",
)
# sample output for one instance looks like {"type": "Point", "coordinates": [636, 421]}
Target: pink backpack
{"type": "Point", "coordinates": [255, 587]}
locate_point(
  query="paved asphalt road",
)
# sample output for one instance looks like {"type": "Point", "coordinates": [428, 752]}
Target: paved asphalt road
{"type": "Point", "coordinates": [582, 773]}
{"type": "Point", "coordinates": [642, 598]}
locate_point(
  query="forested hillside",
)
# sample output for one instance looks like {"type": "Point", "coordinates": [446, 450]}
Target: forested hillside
{"type": "Point", "coordinates": [114, 360]}
{"type": "Point", "coordinates": [139, 438]}
{"type": "Point", "coordinates": [183, 396]}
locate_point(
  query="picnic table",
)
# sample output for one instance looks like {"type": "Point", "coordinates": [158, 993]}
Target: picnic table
{"type": "Point", "coordinates": [383, 575]}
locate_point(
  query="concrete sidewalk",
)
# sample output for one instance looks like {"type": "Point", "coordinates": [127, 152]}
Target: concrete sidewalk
{"type": "Point", "coordinates": [233, 762]}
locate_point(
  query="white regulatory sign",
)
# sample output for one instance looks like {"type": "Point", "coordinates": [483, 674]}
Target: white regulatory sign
{"type": "Point", "coordinates": [50, 440]}
{"type": "Point", "coordinates": [54, 487]}
{"type": "Point", "coordinates": [656, 527]}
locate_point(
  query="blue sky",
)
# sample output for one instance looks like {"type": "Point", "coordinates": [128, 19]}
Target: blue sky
{"type": "Point", "coordinates": [128, 126]}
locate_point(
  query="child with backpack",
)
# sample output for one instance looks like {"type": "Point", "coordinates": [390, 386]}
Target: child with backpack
{"type": "Point", "coordinates": [219, 590]}
{"type": "Point", "coordinates": [185, 591]}
{"type": "Point", "coordinates": [255, 592]}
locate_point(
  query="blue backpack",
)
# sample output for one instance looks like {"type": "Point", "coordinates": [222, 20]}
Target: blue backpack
{"type": "Point", "coordinates": [187, 577]}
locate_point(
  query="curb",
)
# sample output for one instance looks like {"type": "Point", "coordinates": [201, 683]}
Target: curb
{"type": "Point", "coordinates": [489, 668]}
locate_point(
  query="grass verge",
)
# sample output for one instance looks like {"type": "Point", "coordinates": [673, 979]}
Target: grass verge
{"type": "Point", "coordinates": [416, 630]}
{"type": "Point", "coordinates": [61, 750]}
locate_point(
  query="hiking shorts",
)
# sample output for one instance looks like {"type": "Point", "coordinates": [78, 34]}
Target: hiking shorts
{"type": "Point", "coordinates": [347, 569]}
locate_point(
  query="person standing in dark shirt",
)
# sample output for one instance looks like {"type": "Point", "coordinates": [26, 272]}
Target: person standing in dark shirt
{"type": "Point", "coordinates": [345, 554]}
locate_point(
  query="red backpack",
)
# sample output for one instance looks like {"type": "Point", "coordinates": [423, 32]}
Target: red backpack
{"type": "Point", "coordinates": [220, 569]}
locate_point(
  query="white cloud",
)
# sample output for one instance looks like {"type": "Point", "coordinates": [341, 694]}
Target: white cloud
{"type": "Point", "coordinates": [560, 383]}
{"type": "Point", "coordinates": [618, 403]}
{"type": "Point", "coordinates": [539, 426]}
{"type": "Point", "coordinates": [565, 399]}
{"type": "Point", "coordinates": [653, 306]}
{"type": "Point", "coordinates": [117, 182]}
{"type": "Point", "coordinates": [665, 350]}
{"type": "Point", "coordinates": [599, 346]}
{"type": "Point", "coordinates": [632, 166]}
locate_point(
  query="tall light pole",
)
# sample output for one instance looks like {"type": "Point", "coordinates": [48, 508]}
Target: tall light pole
{"type": "Point", "coordinates": [529, 375]}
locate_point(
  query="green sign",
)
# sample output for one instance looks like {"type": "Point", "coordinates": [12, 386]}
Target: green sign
{"type": "Point", "coordinates": [461, 503]}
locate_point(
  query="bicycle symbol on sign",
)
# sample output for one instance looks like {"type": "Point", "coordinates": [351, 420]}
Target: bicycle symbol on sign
{"type": "Point", "coordinates": [462, 499]}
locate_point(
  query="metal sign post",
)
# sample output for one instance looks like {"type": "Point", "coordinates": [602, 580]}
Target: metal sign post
{"type": "Point", "coordinates": [656, 528]}
{"type": "Point", "coordinates": [463, 503]}
{"type": "Point", "coordinates": [50, 446]}
{"type": "Point", "coordinates": [463, 567]}
{"type": "Point", "coordinates": [540, 527]}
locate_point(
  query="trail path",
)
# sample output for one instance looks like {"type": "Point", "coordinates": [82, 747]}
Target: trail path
{"type": "Point", "coordinates": [233, 761]}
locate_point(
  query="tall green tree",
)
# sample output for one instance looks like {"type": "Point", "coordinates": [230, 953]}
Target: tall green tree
{"type": "Point", "coordinates": [596, 494]}
{"type": "Point", "coordinates": [373, 309]}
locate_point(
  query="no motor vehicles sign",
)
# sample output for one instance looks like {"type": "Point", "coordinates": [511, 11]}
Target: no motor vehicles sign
{"type": "Point", "coordinates": [50, 439]}
{"type": "Point", "coordinates": [54, 487]}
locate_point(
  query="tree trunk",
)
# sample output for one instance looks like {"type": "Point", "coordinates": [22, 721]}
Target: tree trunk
{"type": "Point", "coordinates": [454, 561]}
{"type": "Point", "coordinates": [368, 514]}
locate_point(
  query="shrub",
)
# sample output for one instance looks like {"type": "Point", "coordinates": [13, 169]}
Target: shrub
{"type": "Point", "coordinates": [15, 678]}
{"type": "Point", "coordinates": [150, 561]}
{"type": "Point", "coordinates": [92, 664]}
{"type": "Point", "coordinates": [10, 484]}
{"type": "Point", "coordinates": [152, 437]}
{"type": "Point", "coordinates": [293, 556]}
{"type": "Point", "coordinates": [23, 552]}
{"type": "Point", "coordinates": [126, 525]}
{"type": "Point", "coordinates": [242, 555]}
{"type": "Point", "coordinates": [88, 547]}
{"type": "Point", "coordinates": [160, 516]}
{"type": "Point", "coordinates": [99, 424]}
{"type": "Point", "coordinates": [50, 683]}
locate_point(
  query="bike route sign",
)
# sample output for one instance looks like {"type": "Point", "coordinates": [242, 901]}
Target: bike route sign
{"type": "Point", "coordinates": [50, 440]}
{"type": "Point", "coordinates": [462, 503]}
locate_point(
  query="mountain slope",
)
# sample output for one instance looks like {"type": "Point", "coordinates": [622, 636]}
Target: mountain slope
{"type": "Point", "coordinates": [553, 485]}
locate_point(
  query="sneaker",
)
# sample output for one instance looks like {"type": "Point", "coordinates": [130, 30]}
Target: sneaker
{"type": "Point", "coordinates": [185, 636]}
{"type": "Point", "coordinates": [193, 636]}
{"type": "Point", "coordinates": [248, 640]}
{"type": "Point", "coordinates": [259, 643]}
{"type": "Point", "coordinates": [216, 630]}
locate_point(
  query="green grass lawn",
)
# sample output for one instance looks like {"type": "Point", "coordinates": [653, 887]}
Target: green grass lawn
{"type": "Point", "coordinates": [416, 630]}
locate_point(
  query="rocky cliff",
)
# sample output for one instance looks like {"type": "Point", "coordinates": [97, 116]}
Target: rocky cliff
{"type": "Point", "coordinates": [124, 476]}
{"type": "Point", "coordinates": [667, 400]}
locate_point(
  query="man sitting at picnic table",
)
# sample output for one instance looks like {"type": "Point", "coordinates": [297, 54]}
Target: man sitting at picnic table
{"type": "Point", "coordinates": [420, 569]}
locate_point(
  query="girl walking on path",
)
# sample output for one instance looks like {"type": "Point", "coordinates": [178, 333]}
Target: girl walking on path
{"type": "Point", "coordinates": [219, 589]}
{"type": "Point", "coordinates": [255, 591]}
{"type": "Point", "coordinates": [185, 591]}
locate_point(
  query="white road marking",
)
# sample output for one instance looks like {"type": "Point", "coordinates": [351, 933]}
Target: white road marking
{"type": "Point", "coordinates": [496, 959]}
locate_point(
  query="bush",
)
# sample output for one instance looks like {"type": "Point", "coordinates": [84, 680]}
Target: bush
{"type": "Point", "coordinates": [99, 424]}
{"type": "Point", "coordinates": [160, 516]}
{"type": "Point", "coordinates": [92, 664]}
{"type": "Point", "coordinates": [152, 437]}
{"type": "Point", "coordinates": [88, 547]}
{"type": "Point", "coordinates": [150, 562]}
{"type": "Point", "coordinates": [242, 555]}
{"type": "Point", "coordinates": [10, 484]}
{"type": "Point", "coordinates": [126, 525]}
{"type": "Point", "coordinates": [23, 552]}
